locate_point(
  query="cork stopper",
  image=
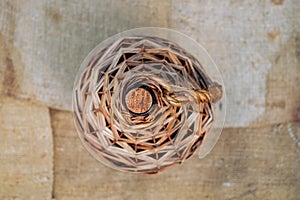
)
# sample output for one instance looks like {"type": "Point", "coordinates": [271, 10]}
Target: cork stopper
{"type": "Point", "coordinates": [139, 100]}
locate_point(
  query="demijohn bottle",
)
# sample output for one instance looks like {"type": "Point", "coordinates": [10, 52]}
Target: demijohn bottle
{"type": "Point", "coordinates": [146, 99]}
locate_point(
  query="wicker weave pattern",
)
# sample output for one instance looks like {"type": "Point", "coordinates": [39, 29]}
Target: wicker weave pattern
{"type": "Point", "coordinates": [174, 127]}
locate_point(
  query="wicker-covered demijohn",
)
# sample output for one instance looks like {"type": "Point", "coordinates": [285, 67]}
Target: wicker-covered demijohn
{"type": "Point", "coordinates": [143, 103]}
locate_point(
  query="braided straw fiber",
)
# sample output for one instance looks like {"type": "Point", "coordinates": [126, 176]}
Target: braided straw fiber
{"type": "Point", "coordinates": [142, 104]}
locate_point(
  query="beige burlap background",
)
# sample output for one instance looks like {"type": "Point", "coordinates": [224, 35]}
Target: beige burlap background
{"type": "Point", "coordinates": [256, 45]}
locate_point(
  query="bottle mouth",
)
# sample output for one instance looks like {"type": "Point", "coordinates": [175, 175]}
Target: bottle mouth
{"type": "Point", "coordinates": [139, 100]}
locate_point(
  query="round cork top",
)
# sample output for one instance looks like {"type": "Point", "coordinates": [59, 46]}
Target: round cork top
{"type": "Point", "coordinates": [138, 100]}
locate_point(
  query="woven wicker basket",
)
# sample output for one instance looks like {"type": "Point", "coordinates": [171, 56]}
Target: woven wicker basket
{"type": "Point", "coordinates": [143, 103]}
